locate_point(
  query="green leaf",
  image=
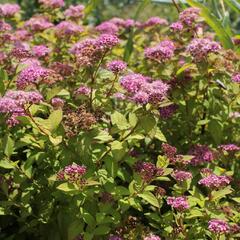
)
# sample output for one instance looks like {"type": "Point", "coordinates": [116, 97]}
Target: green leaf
{"type": "Point", "coordinates": [8, 145]}
{"type": "Point", "coordinates": [162, 162]}
{"type": "Point", "coordinates": [55, 140]}
{"type": "Point", "coordinates": [55, 119]}
{"type": "Point", "coordinates": [214, 23]}
{"type": "Point", "coordinates": [68, 188]}
{"type": "Point", "coordinates": [234, 5]}
{"type": "Point", "coordinates": [216, 195]}
{"type": "Point", "coordinates": [147, 122]}
{"type": "Point", "coordinates": [102, 230]}
{"type": "Point", "coordinates": [88, 218]}
{"type": "Point", "coordinates": [160, 136]}
{"type": "Point", "coordinates": [119, 119]}
{"type": "Point", "coordinates": [215, 128]}
{"type": "Point", "coordinates": [150, 198]}
{"type": "Point", "coordinates": [7, 164]}
{"type": "Point", "coordinates": [184, 67]}
{"type": "Point", "coordinates": [3, 77]}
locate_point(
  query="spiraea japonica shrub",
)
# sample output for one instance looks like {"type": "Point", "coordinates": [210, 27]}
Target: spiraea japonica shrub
{"type": "Point", "coordinates": [124, 130]}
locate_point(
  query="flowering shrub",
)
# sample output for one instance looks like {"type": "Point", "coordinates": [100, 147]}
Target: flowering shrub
{"type": "Point", "coordinates": [100, 142]}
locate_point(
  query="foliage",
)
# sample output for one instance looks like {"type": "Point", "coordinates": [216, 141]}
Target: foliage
{"type": "Point", "coordinates": [96, 148]}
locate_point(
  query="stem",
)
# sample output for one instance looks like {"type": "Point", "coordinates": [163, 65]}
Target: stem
{"type": "Point", "coordinates": [37, 125]}
{"type": "Point", "coordinates": [94, 78]}
{"type": "Point", "coordinates": [176, 5]}
{"type": "Point", "coordinates": [111, 88]}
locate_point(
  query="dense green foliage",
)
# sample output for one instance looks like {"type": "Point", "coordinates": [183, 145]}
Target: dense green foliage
{"type": "Point", "coordinates": [96, 149]}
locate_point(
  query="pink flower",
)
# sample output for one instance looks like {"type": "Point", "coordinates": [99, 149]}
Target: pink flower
{"type": "Point", "coordinates": [133, 82]}
{"type": "Point", "coordinates": [4, 27]}
{"type": "Point", "coordinates": [168, 111]}
{"type": "Point", "coordinates": [181, 175]}
{"type": "Point", "coordinates": [154, 21]}
{"type": "Point", "coordinates": [13, 103]}
{"type": "Point", "coordinates": [179, 203]}
{"type": "Point", "coordinates": [116, 66]}
{"type": "Point", "coordinates": [162, 52]}
{"type": "Point", "coordinates": [189, 16]}
{"type": "Point", "coordinates": [38, 23]}
{"type": "Point", "coordinates": [87, 52]}
{"type": "Point", "coordinates": [148, 171]}
{"type": "Point", "coordinates": [40, 50]}
{"type": "Point", "coordinates": [115, 237]}
{"type": "Point", "coordinates": [107, 41]}
{"type": "Point", "coordinates": [83, 90]}
{"type": "Point", "coordinates": [21, 52]}
{"type": "Point", "coordinates": [119, 96]}
{"type": "Point", "coordinates": [52, 3]}
{"type": "Point", "coordinates": [67, 28]}
{"type": "Point", "coordinates": [236, 78]}
{"type": "Point", "coordinates": [75, 11]}
{"type": "Point", "coordinates": [157, 90]}
{"type": "Point", "coordinates": [202, 154]}
{"type": "Point", "coordinates": [72, 173]}
{"type": "Point", "coordinates": [31, 75]}
{"type": "Point", "coordinates": [213, 181]}
{"type": "Point", "coordinates": [57, 102]}
{"type": "Point", "coordinates": [199, 48]}
{"type": "Point", "coordinates": [152, 237]}
{"type": "Point", "coordinates": [176, 27]}
{"type": "Point", "coordinates": [218, 226]}
{"type": "Point", "coordinates": [9, 10]}
{"type": "Point", "coordinates": [107, 27]}
{"type": "Point", "coordinates": [141, 97]}
{"type": "Point", "coordinates": [229, 147]}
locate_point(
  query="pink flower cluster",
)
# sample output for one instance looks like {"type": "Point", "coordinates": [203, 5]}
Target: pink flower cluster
{"type": "Point", "coordinates": [115, 237]}
{"type": "Point", "coordinates": [31, 75]}
{"type": "Point", "coordinates": [179, 203]}
{"type": "Point", "coordinates": [21, 52]}
{"type": "Point", "coordinates": [4, 27]}
{"type": "Point", "coordinates": [162, 52]}
{"type": "Point", "coordinates": [75, 11]}
{"type": "Point", "coordinates": [52, 3]}
{"type": "Point", "coordinates": [38, 23]}
{"type": "Point", "coordinates": [213, 181]}
{"type": "Point", "coordinates": [189, 16]}
{"type": "Point", "coordinates": [124, 23]}
{"type": "Point", "coordinates": [218, 226]}
{"type": "Point", "coordinates": [116, 66]}
{"type": "Point", "coordinates": [176, 27]}
{"type": "Point", "coordinates": [181, 175]}
{"type": "Point", "coordinates": [152, 237]}
{"type": "Point", "coordinates": [236, 78]}
{"type": "Point", "coordinates": [199, 48]}
{"type": "Point", "coordinates": [90, 50]}
{"type": "Point", "coordinates": [72, 173]}
{"type": "Point", "coordinates": [67, 28]}
{"type": "Point", "coordinates": [147, 171]}
{"type": "Point", "coordinates": [107, 27]}
{"type": "Point", "coordinates": [143, 91]}
{"type": "Point", "coordinates": [9, 10]}
{"type": "Point", "coordinates": [13, 103]}
{"type": "Point", "coordinates": [40, 51]}
{"type": "Point", "coordinates": [154, 21]}
{"type": "Point", "coordinates": [57, 102]}
{"type": "Point", "coordinates": [83, 90]}
{"type": "Point", "coordinates": [171, 153]}
{"type": "Point", "coordinates": [168, 111]}
{"type": "Point", "coordinates": [229, 147]}
{"type": "Point", "coordinates": [202, 154]}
